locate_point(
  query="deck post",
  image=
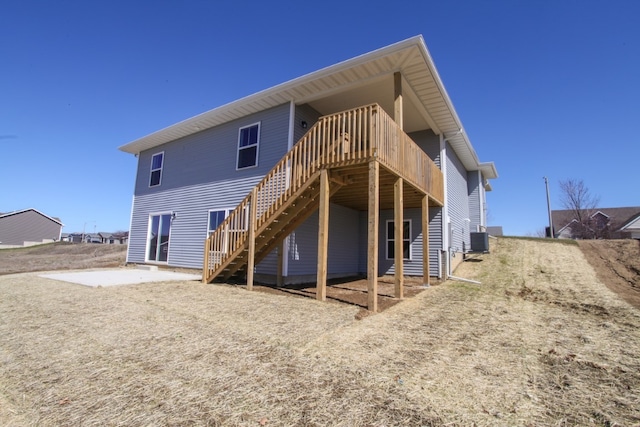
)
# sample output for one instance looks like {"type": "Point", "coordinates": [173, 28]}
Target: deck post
{"type": "Point", "coordinates": [205, 270]}
{"type": "Point", "coordinates": [279, 278]}
{"type": "Point", "coordinates": [251, 258]}
{"type": "Point", "coordinates": [323, 236]}
{"type": "Point", "coordinates": [425, 241]}
{"type": "Point", "coordinates": [397, 96]}
{"type": "Point", "coordinates": [372, 235]}
{"type": "Point", "coordinates": [398, 238]}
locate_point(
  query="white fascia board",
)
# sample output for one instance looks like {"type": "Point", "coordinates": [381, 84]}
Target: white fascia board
{"type": "Point", "coordinates": [634, 224]}
{"type": "Point", "coordinates": [271, 97]}
{"type": "Point", "coordinates": [32, 209]}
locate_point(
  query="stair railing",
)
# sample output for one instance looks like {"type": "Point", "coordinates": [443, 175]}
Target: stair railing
{"type": "Point", "coordinates": [342, 139]}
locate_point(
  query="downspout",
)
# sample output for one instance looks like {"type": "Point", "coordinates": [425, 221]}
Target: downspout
{"type": "Point", "coordinates": [445, 213]}
{"type": "Point", "coordinates": [481, 195]}
{"type": "Point", "coordinates": [285, 245]}
{"type": "Point", "coordinates": [445, 209]}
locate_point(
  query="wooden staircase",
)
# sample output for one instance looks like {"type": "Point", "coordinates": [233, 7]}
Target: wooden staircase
{"type": "Point", "coordinates": [290, 192]}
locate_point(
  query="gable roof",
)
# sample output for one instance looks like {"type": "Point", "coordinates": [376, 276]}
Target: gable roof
{"type": "Point", "coordinates": [57, 220]}
{"type": "Point", "coordinates": [618, 216]}
{"type": "Point", "coordinates": [366, 78]}
{"type": "Point", "coordinates": [632, 224]}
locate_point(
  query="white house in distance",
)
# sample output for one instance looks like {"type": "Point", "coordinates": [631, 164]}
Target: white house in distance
{"type": "Point", "coordinates": [341, 172]}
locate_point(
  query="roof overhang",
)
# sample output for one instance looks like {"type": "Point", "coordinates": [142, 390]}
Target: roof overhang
{"type": "Point", "coordinates": [362, 80]}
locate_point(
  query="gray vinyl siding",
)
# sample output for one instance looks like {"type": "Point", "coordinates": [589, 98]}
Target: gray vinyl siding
{"type": "Point", "coordinates": [413, 267]}
{"type": "Point", "coordinates": [458, 202]}
{"type": "Point", "coordinates": [475, 194]}
{"type": "Point", "coordinates": [429, 142]}
{"type": "Point", "coordinates": [28, 226]}
{"type": "Point", "coordinates": [343, 246]}
{"type": "Point", "coordinates": [210, 155]}
{"type": "Point", "coordinates": [189, 228]}
{"type": "Point", "coordinates": [307, 114]}
{"type": "Point", "coordinates": [199, 174]}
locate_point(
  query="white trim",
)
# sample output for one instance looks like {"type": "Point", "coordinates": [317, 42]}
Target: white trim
{"type": "Point", "coordinates": [482, 195]}
{"type": "Point", "coordinates": [290, 142]}
{"type": "Point", "coordinates": [31, 209]}
{"type": "Point", "coordinates": [631, 224]}
{"type": "Point", "coordinates": [392, 238]}
{"type": "Point", "coordinates": [257, 145]}
{"type": "Point", "coordinates": [445, 207]}
{"type": "Point", "coordinates": [146, 251]}
{"type": "Point", "coordinates": [133, 202]}
{"type": "Point", "coordinates": [226, 214]}
{"type": "Point", "coordinates": [292, 120]}
{"type": "Point", "coordinates": [335, 79]}
{"type": "Point", "coordinates": [599, 212]}
{"type": "Point", "coordinates": [151, 169]}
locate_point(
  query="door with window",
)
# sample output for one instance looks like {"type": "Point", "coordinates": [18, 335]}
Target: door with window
{"type": "Point", "coordinates": [158, 244]}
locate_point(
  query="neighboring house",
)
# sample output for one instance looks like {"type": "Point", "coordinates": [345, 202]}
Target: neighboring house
{"type": "Point", "coordinates": [118, 238]}
{"type": "Point", "coordinates": [495, 230]}
{"type": "Point", "coordinates": [28, 227]}
{"type": "Point", "coordinates": [307, 180]}
{"type": "Point", "coordinates": [631, 228]}
{"type": "Point", "coordinates": [601, 223]}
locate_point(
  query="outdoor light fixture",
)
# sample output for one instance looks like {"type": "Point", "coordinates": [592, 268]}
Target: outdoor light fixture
{"type": "Point", "coordinates": [303, 124]}
{"type": "Point", "coordinates": [174, 214]}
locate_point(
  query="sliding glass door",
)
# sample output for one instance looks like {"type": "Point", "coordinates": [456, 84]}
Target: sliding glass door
{"type": "Point", "coordinates": [158, 243]}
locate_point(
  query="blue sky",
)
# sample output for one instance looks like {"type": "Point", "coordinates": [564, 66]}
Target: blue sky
{"type": "Point", "coordinates": [543, 88]}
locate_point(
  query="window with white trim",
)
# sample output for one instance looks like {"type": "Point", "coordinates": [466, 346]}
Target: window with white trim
{"type": "Point", "coordinates": [248, 142]}
{"type": "Point", "coordinates": [406, 239]}
{"type": "Point", "coordinates": [156, 169]}
{"type": "Point", "coordinates": [215, 219]}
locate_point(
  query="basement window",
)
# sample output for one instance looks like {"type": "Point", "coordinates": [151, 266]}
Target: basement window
{"type": "Point", "coordinates": [248, 142]}
{"type": "Point", "coordinates": [406, 240]}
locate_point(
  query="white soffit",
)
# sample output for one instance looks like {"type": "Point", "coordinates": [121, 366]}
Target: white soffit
{"type": "Point", "coordinates": [426, 98]}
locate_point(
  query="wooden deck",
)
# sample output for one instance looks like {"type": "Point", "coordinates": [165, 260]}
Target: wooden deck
{"type": "Point", "coordinates": [350, 158]}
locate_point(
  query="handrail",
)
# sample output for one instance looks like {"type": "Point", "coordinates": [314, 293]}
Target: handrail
{"type": "Point", "coordinates": [341, 139]}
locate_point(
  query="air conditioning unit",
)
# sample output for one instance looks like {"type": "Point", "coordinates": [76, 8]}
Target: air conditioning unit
{"type": "Point", "coordinates": [480, 242]}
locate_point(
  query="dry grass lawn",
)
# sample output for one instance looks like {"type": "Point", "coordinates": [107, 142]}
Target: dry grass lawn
{"type": "Point", "coordinates": [541, 342]}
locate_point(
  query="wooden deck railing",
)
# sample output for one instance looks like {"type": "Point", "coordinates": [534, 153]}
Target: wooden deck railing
{"type": "Point", "coordinates": [342, 139]}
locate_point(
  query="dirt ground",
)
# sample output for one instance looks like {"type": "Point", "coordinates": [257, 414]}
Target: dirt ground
{"type": "Point", "coordinates": [61, 256]}
{"type": "Point", "coordinates": [541, 342]}
{"type": "Point", "coordinates": [617, 264]}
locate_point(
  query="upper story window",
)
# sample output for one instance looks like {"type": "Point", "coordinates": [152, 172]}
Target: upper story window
{"type": "Point", "coordinates": [406, 239]}
{"type": "Point", "coordinates": [156, 169]}
{"type": "Point", "coordinates": [248, 141]}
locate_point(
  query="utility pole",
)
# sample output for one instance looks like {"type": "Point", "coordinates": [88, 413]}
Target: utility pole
{"type": "Point", "coordinates": [546, 182]}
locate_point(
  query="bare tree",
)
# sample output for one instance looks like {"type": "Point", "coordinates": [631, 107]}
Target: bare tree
{"type": "Point", "coordinates": [576, 197]}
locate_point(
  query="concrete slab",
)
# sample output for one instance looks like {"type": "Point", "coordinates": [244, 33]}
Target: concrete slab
{"type": "Point", "coordinates": [120, 277]}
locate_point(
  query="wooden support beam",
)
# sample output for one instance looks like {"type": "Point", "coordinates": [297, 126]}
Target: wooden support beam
{"type": "Point", "coordinates": [398, 236]}
{"type": "Point", "coordinates": [252, 239]}
{"type": "Point", "coordinates": [372, 236]}
{"type": "Point", "coordinates": [397, 96]}
{"type": "Point", "coordinates": [323, 236]}
{"type": "Point", "coordinates": [279, 278]}
{"type": "Point", "coordinates": [426, 280]}
{"type": "Point", "coordinates": [205, 270]}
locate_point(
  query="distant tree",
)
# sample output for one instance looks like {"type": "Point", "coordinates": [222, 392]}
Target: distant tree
{"type": "Point", "coordinates": [576, 197]}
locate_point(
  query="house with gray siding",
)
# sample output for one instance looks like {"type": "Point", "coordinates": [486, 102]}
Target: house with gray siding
{"type": "Point", "coordinates": [337, 173]}
{"type": "Point", "coordinates": [598, 223]}
{"type": "Point", "coordinates": [28, 227]}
